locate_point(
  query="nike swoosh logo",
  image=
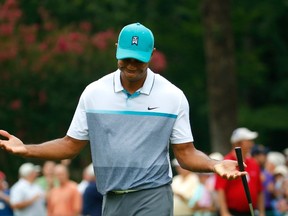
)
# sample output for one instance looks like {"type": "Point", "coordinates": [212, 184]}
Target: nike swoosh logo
{"type": "Point", "coordinates": [152, 108]}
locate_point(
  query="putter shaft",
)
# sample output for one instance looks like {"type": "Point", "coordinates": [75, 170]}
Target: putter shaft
{"type": "Point", "coordinates": [244, 179]}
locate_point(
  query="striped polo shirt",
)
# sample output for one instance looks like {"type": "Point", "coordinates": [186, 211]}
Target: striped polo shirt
{"type": "Point", "coordinates": [129, 134]}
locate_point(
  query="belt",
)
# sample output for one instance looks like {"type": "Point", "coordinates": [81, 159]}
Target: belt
{"type": "Point", "coordinates": [119, 192]}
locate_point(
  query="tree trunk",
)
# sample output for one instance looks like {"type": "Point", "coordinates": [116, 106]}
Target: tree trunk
{"type": "Point", "coordinates": [221, 75]}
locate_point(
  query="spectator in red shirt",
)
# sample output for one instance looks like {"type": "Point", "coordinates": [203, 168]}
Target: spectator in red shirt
{"type": "Point", "coordinates": [231, 194]}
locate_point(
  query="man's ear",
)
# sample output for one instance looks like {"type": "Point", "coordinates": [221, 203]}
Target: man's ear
{"type": "Point", "coordinates": [153, 51]}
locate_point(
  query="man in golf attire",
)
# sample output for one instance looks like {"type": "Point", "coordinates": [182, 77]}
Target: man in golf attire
{"type": "Point", "coordinates": [130, 116]}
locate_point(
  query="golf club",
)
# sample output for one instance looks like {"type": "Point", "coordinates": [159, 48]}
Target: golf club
{"type": "Point", "coordinates": [244, 179]}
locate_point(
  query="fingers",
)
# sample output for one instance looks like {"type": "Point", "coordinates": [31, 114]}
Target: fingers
{"type": "Point", "coordinates": [5, 134]}
{"type": "Point", "coordinates": [234, 175]}
{"type": "Point", "coordinates": [228, 169]}
{"type": "Point", "coordinates": [4, 143]}
{"type": "Point", "coordinates": [230, 176]}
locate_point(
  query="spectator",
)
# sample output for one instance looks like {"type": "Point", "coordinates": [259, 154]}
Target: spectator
{"type": "Point", "coordinates": [64, 200]}
{"type": "Point", "coordinates": [285, 152]}
{"type": "Point", "coordinates": [84, 182]}
{"type": "Point", "coordinates": [259, 153]}
{"type": "Point", "coordinates": [202, 202]}
{"type": "Point", "coordinates": [275, 159]}
{"type": "Point", "coordinates": [282, 204]}
{"type": "Point", "coordinates": [47, 180]}
{"type": "Point", "coordinates": [210, 182]}
{"type": "Point", "coordinates": [27, 198]}
{"type": "Point", "coordinates": [184, 185]}
{"type": "Point", "coordinates": [227, 190]}
{"type": "Point", "coordinates": [92, 199]}
{"type": "Point", "coordinates": [5, 209]}
{"type": "Point", "coordinates": [66, 162]}
{"type": "Point", "coordinates": [280, 174]}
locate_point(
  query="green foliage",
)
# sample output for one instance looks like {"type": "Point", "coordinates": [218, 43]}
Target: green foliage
{"type": "Point", "coordinates": [44, 69]}
{"type": "Point", "coordinates": [50, 50]}
{"type": "Point", "coordinates": [46, 62]}
{"type": "Point", "coordinates": [271, 122]}
{"type": "Point", "coordinates": [261, 47]}
{"type": "Point", "coordinates": [268, 117]}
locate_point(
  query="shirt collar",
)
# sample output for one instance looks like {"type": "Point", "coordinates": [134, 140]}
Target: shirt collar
{"type": "Point", "coordinates": [146, 88]}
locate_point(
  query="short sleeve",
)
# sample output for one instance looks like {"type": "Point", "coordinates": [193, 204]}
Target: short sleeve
{"type": "Point", "coordinates": [79, 128]}
{"type": "Point", "coordinates": [181, 132]}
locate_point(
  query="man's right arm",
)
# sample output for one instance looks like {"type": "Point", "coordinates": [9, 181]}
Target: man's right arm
{"type": "Point", "coordinates": [58, 149]}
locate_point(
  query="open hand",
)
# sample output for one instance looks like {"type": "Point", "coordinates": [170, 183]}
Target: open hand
{"type": "Point", "coordinates": [12, 144]}
{"type": "Point", "coordinates": [228, 169]}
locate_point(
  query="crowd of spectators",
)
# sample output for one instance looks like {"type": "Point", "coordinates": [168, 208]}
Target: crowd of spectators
{"type": "Point", "coordinates": [208, 195]}
{"type": "Point", "coordinates": [50, 191]}
{"type": "Point", "coordinates": [195, 194]}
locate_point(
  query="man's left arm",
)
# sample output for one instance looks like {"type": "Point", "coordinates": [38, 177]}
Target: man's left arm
{"type": "Point", "coordinates": [194, 160]}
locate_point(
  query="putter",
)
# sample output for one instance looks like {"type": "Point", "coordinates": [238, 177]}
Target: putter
{"type": "Point", "coordinates": [244, 179]}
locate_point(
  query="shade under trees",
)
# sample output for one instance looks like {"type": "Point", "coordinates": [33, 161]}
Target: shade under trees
{"type": "Point", "coordinates": [217, 53]}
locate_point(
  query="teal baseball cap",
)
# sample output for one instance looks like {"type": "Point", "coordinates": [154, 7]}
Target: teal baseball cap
{"type": "Point", "coordinates": [135, 41]}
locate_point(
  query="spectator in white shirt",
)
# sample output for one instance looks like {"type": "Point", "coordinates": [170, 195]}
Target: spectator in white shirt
{"type": "Point", "coordinates": [27, 198]}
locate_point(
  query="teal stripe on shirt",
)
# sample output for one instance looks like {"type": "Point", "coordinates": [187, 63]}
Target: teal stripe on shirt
{"type": "Point", "coordinates": [133, 113]}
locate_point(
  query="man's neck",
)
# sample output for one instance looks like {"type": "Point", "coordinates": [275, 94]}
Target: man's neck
{"type": "Point", "coordinates": [132, 87]}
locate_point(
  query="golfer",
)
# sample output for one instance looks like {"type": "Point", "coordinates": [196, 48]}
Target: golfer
{"type": "Point", "coordinates": [130, 117]}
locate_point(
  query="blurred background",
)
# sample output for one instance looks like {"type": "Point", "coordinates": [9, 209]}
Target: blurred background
{"type": "Point", "coordinates": [229, 58]}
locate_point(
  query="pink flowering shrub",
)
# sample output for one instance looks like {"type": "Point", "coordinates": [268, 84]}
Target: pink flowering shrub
{"type": "Point", "coordinates": [158, 62]}
{"type": "Point", "coordinates": [45, 67]}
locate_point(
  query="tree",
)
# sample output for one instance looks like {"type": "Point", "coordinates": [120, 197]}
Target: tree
{"type": "Point", "coordinates": [221, 75]}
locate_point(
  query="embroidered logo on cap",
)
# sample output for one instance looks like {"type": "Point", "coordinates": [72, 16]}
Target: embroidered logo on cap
{"type": "Point", "coordinates": [135, 40]}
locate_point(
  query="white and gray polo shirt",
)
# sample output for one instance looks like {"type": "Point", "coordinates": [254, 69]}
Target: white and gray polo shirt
{"type": "Point", "coordinates": [130, 134]}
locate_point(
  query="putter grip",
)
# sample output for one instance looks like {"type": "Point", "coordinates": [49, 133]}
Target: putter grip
{"type": "Point", "coordinates": [241, 168]}
{"type": "Point", "coordinates": [239, 158]}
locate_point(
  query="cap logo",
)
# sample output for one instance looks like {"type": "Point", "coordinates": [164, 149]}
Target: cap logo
{"type": "Point", "coordinates": [134, 40]}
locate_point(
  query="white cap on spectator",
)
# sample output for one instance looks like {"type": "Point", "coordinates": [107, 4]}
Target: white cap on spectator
{"type": "Point", "coordinates": [27, 168]}
{"type": "Point", "coordinates": [281, 169]}
{"type": "Point", "coordinates": [241, 134]}
{"type": "Point", "coordinates": [276, 158]}
{"type": "Point", "coordinates": [216, 156]}
{"type": "Point", "coordinates": [285, 151]}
